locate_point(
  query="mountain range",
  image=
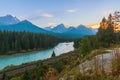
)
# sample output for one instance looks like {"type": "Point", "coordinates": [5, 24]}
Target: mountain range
{"type": "Point", "coordinates": [11, 23]}
{"type": "Point", "coordinates": [71, 32]}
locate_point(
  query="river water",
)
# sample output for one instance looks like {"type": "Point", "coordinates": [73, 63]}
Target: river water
{"type": "Point", "coordinates": [34, 56]}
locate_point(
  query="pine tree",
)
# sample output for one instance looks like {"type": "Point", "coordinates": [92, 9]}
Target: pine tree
{"type": "Point", "coordinates": [53, 54]}
{"type": "Point", "coordinates": [104, 19]}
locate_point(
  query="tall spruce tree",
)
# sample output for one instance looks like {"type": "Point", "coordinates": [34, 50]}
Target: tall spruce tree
{"type": "Point", "coordinates": [53, 54]}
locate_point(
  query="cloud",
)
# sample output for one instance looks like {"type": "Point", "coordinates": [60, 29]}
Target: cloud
{"type": "Point", "coordinates": [52, 24]}
{"type": "Point", "coordinates": [96, 25]}
{"type": "Point", "coordinates": [44, 15]}
{"type": "Point", "coordinates": [72, 10]}
{"type": "Point", "coordinates": [47, 15]}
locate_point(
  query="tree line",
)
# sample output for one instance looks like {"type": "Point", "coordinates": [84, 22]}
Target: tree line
{"type": "Point", "coordinates": [12, 42]}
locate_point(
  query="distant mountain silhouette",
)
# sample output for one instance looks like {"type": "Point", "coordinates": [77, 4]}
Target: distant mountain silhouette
{"type": "Point", "coordinates": [72, 32]}
{"type": "Point", "coordinates": [24, 26]}
{"type": "Point", "coordinates": [59, 28]}
{"type": "Point", "coordinates": [8, 20]}
{"type": "Point", "coordinates": [11, 23]}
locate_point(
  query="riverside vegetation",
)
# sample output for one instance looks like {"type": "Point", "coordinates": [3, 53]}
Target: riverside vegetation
{"type": "Point", "coordinates": [86, 49]}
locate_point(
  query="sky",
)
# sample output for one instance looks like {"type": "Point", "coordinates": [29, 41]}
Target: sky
{"type": "Point", "coordinates": [46, 13]}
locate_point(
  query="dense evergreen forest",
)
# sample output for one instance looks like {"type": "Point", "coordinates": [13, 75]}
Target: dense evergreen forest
{"type": "Point", "coordinates": [12, 42]}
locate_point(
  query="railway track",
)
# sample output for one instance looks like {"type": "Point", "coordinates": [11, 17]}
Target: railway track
{"type": "Point", "coordinates": [20, 69]}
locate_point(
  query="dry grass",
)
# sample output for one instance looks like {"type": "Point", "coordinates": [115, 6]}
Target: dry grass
{"type": "Point", "coordinates": [97, 70]}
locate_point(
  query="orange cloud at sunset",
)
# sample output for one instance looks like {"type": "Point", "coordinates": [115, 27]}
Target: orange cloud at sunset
{"type": "Point", "coordinates": [93, 25]}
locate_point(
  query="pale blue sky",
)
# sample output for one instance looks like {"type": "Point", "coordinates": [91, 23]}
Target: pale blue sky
{"type": "Point", "coordinates": [53, 12]}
